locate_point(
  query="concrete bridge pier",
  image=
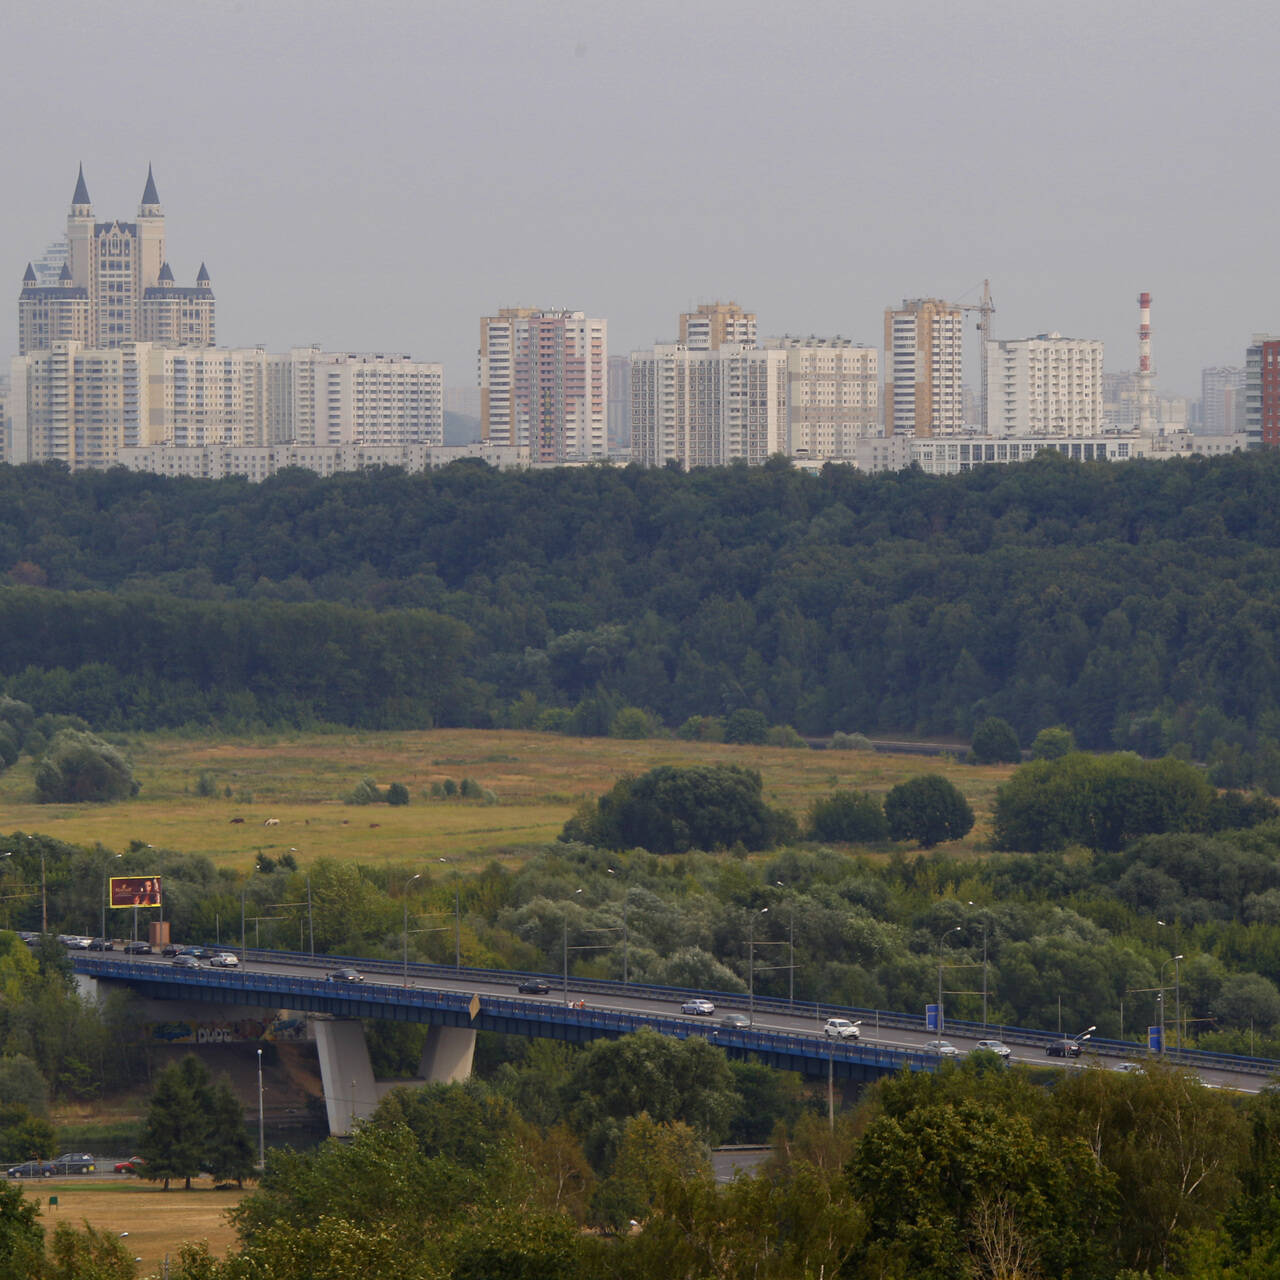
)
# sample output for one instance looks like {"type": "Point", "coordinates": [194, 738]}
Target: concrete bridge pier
{"type": "Point", "coordinates": [351, 1093]}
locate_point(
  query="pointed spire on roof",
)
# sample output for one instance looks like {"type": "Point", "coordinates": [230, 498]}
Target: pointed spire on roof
{"type": "Point", "coordinates": [29, 276]}
{"type": "Point", "coordinates": [64, 276]}
{"type": "Point", "coordinates": [166, 275]}
{"type": "Point", "coordinates": [149, 193]}
{"type": "Point", "coordinates": [82, 192]}
{"type": "Point", "coordinates": [202, 276]}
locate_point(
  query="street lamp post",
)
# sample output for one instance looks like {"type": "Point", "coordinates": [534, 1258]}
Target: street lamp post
{"type": "Point", "coordinates": [106, 880]}
{"type": "Point", "coordinates": [564, 925]}
{"type": "Point", "coordinates": [404, 893]}
{"type": "Point", "coordinates": [262, 1157]}
{"type": "Point", "coordinates": [984, 966]}
{"type": "Point", "coordinates": [944, 936]}
{"type": "Point", "coordinates": [1172, 960]}
{"type": "Point", "coordinates": [751, 962]}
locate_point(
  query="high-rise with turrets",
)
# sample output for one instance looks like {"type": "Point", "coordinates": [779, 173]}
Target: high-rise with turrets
{"type": "Point", "coordinates": [116, 287]}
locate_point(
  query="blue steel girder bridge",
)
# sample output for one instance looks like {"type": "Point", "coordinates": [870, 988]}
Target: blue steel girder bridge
{"type": "Point", "coordinates": [455, 1003]}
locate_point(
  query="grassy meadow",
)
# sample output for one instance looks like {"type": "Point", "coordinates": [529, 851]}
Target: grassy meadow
{"type": "Point", "coordinates": [538, 780]}
{"type": "Point", "coordinates": [158, 1222]}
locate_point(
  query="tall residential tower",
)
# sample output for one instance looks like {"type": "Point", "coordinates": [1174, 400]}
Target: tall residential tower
{"type": "Point", "coordinates": [924, 383]}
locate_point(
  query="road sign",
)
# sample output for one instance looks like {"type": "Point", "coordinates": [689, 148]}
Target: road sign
{"type": "Point", "coordinates": [1155, 1039]}
{"type": "Point", "coordinates": [931, 1017]}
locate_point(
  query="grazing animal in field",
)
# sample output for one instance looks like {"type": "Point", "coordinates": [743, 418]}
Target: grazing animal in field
{"type": "Point", "coordinates": [234, 821]}
{"type": "Point", "coordinates": [375, 824]}
{"type": "Point", "coordinates": [272, 822]}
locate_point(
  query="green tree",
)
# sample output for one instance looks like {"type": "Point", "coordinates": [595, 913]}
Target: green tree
{"type": "Point", "coordinates": [229, 1155]}
{"type": "Point", "coordinates": [175, 1135]}
{"type": "Point", "coordinates": [927, 809]}
{"type": "Point", "coordinates": [851, 817]}
{"type": "Point", "coordinates": [21, 1236]}
{"type": "Point", "coordinates": [79, 768]}
{"type": "Point", "coordinates": [746, 726]}
{"type": "Point", "coordinates": [88, 1253]}
{"type": "Point", "coordinates": [397, 794]}
{"type": "Point", "coordinates": [995, 742]}
{"type": "Point", "coordinates": [1053, 743]}
{"type": "Point", "coordinates": [24, 1136]}
{"type": "Point", "coordinates": [672, 809]}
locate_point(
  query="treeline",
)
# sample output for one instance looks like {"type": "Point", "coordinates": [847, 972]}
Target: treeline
{"type": "Point", "coordinates": [974, 1171]}
{"type": "Point", "coordinates": [1134, 604]}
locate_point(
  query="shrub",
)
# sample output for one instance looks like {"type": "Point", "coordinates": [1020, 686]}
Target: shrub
{"type": "Point", "coordinates": [1053, 744]}
{"type": "Point", "coordinates": [850, 742]}
{"type": "Point", "coordinates": [397, 794]}
{"type": "Point", "coordinates": [364, 792]}
{"type": "Point", "coordinates": [746, 727]}
{"type": "Point", "coordinates": [206, 786]}
{"type": "Point", "coordinates": [783, 735]}
{"type": "Point", "coordinates": [702, 729]}
{"type": "Point", "coordinates": [631, 722]}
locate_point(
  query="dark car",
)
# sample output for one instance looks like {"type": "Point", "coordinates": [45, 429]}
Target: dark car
{"type": "Point", "coordinates": [200, 953]}
{"type": "Point", "coordinates": [184, 961]}
{"type": "Point", "coordinates": [172, 949]}
{"type": "Point", "coordinates": [738, 1021]}
{"type": "Point", "coordinates": [101, 944]}
{"type": "Point", "coordinates": [534, 987]}
{"type": "Point", "coordinates": [33, 1169]}
{"type": "Point", "coordinates": [1063, 1049]}
{"type": "Point", "coordinates": [345, 975]}
{"type": "Point", "coordinates": [137, 948]}
{"type": "Point", "coordinates": [76, 1162]}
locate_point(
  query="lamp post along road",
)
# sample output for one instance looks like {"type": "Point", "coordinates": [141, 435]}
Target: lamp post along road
{"type": "Point", "coordinates": [1172, 960]}
{"type": "Point", "coordinates": [404, 893]}
{"type": "Point", "coordinates": [941, 940]}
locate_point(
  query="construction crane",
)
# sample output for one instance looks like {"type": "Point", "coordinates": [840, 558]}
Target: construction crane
{"type": "Point", "coordinates": [985, 309]}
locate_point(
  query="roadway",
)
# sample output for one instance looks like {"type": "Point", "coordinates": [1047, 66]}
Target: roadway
{"type": "Point", "coordinates": [770, 1015]}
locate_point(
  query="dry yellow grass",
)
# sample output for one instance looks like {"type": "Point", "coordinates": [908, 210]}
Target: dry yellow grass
{"type": "Point", "coordinates": [158, 1222]}
{"type": "Point", "coordinates": [538, 779]}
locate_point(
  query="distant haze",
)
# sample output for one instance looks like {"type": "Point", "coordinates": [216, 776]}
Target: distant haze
{"type": "Point", "coordinates": [377, 176]}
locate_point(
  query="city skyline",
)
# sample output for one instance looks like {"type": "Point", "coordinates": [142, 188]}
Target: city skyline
{"type": "Point", "coordinates": [361, 184]}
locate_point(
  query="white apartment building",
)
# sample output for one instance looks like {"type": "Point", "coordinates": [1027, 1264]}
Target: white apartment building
{"type": "Point", "coordinates": [707, 408]}
{"type": "Point", "coordinates": [924, 368]}
{"type": "Point", "coordinates": [715, 323]}
{"type": "Point", "coordinates": [833, 395]}
{"type": "Point", "coordinates": [1044, 386]}
{"type": "Point", "coordinates": [1222, 399]}
{"type": "Point", "coordinates": [83, 405]}
{"type": "Point", "coordinates": [544, 383]}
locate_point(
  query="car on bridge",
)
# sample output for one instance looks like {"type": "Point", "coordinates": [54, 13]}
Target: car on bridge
{"type": "Point", "coordinates": [698, 1007]}
{"type": "Point", "coordinates": [345, 975]}
{"type": "Point", "coordinates": [102, 944]}
{"type": "Point", "coordinates": [841, 1029]}
{"type": "Point", "coordinates": [534, 987]}
{"type": "Point", "coordinates": [1063, 1048]}
{"type": "Point", "coordinates": [737, 1021]}
{"type": "Point", "coordinates": [33, 1169]}
{"type": "Point", "coordinates": [137, 948]}
{"type": "Point", "coordinates": [943, 1048]}
{"type": "Point", "coordinates": [224, 960]}
{"type": "Point", "coordinates": [1127, 1066]}
{"type": "Point", "coordinates": [184, 961]}
{"type": "Point", "coordinates": [998, 1047]}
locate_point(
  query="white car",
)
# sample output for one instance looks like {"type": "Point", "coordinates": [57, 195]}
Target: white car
{"type": "Point", "coordinates": [994, 1046]}
{"type": "Point", "coordinates": [701, 1008]}
{"type": "Point", "coordinates": [1127, 1066]}
{"type": "Point", "coordinates": [944, 1048]}
{"type": "Point", "coordinates": [225, 960]}
{"type": "Point", "coordinates": [842, 1029]}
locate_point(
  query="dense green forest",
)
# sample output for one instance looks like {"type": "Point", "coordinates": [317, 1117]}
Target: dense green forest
{"type": "Point", "coordinates": [1135, 604]}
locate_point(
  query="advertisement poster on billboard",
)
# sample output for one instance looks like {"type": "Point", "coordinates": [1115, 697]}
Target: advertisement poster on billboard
{"type": "Point", "coordinates": [135, 891]}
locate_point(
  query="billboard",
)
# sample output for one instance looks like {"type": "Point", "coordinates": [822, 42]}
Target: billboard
{"type": "Point", "coordinates": [135, 891]}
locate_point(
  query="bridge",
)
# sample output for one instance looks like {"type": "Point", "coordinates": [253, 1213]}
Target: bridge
{"type": "Point", "coordinates": [457, 1002]}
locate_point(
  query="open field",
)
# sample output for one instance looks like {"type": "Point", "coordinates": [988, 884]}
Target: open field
{"type": "Point", "coordinates": [538, 780]}
{"type": "Point", "coordinates": [158, 1222]}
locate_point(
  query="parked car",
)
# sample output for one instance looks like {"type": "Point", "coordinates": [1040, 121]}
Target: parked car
{"type": "Point", "coordinates": [76, 1162]}
{"type": "Point", "coordinates": [699, 1007]}
{"type": "Point", "coordinates": [137, 948]}
{"type": "Point", "coordinates": [224, 960]}
{"type": "Point", "coordinates": [738, 1021]}
{"type": "Point", "coordinates": [944, 1048]}
{"type": "Point", "coordinates": [345, 975]}
{"type": "Point", "coordinates": [184, 961]}
{"type": "Point", "coordinates": [134, 1164]}
{"type": "Point", "coordinates": [33, 1169]}
{"type": "Point", "coordinates": [534, 987]}
{"type": "Point", "coordinates": [994, 1046]}
{"type": "Point", "coordinates": [842, 1029]}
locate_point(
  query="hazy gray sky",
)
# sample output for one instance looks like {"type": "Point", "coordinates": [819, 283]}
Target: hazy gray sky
{"type": "Point", "coordinates": [378, 175]}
